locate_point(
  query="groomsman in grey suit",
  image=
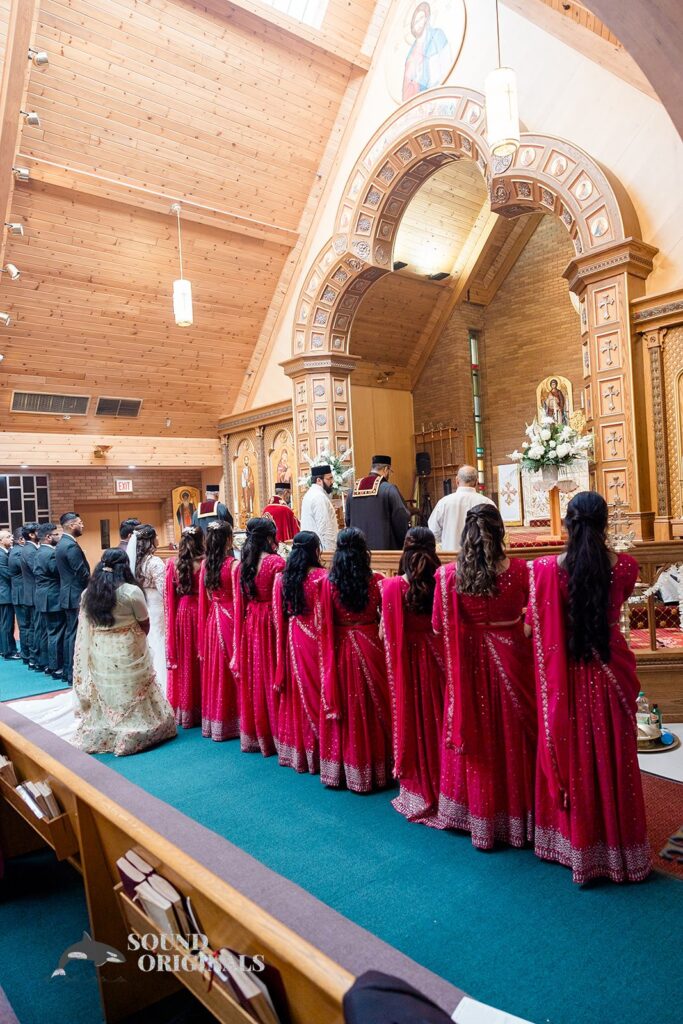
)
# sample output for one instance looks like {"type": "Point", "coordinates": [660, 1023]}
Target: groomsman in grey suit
{"type": "Point", "coordinates": [8, 646]}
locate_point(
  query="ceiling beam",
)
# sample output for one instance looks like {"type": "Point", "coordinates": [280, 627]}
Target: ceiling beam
{"type": "Point", "coordinates": [13, 90]}
{"type": "Point", "coordinates": [128, 194]}
{"type": "Point", "coordinates": [522, 230]}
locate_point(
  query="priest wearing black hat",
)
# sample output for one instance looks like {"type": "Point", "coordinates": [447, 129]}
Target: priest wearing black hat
{"type": "Point", "coordinates": [211, 510]}
{"type": "Point", "coordinates": [317, 514]}
{"type": "Point", "coordinates": [376, 507]}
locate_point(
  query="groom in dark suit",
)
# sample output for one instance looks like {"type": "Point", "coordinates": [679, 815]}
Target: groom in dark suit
{"type": "Point", "coordinates": [74, 573]}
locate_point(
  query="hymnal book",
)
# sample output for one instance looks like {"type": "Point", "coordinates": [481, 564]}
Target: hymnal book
{"type": "Point", "coordinates": [51, 800]}
{"type": "Point", "coordinates": [130, 876]}
{"type": "Point", "coordinates": [7, 771]}
{"type": "Point", "coordinates": [253, 992]}
{"type": "Point", "coordinates": [31, 802]}
{"type": "Point", "coordinates": [165, 889]}
{"type": "Point", "coordinates": [138, 862]}
{"type": "Point", "coordinates": [39, 798]}
{"type": "Point", "coordinates": [158, 908]}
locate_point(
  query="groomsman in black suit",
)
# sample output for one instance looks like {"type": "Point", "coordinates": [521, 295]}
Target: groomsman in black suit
{"type": "Point", "coordinates": [47, 600]}
{"type": "Point", "coordinates": [8, 646]}
{"type": "Point", "coordinates": [20, 610]}
{"type": "Point", "coordinates": [74, 573]}
{"type": "Point", "coordinates": [35, 625]}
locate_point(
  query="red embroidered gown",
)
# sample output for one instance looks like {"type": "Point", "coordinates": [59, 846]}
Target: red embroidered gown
{"type": "Point", "coordinates": [220, 705]}
{"type": "Point", "coordinates": [286, 523]}
{"type": "Point", "coordinates": [255, 660]}
{"type": "Point", "coordinates": [590, 812]}
{"type": "Point", "coordinates": [415, 665]}
{"type": "Point", "coordinates": [184, 686]}
{"type": "Point", "coordinates": [489, 739]}
{"type": "Point", "coordinates": [355, 720]}
{"type": "Point", "coordinates": [298, 679]}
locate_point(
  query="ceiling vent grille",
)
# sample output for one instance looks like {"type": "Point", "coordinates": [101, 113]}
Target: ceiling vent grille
{"type": "Point", "coordinates": [49, 405]}
{"type": "Point", "coordinates": [119, 407]}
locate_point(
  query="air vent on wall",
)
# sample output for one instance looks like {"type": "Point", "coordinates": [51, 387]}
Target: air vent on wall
{"type": "Point", "coordinates": [128, 407]}
{"type": "Point", "coordinates": [49, 405]}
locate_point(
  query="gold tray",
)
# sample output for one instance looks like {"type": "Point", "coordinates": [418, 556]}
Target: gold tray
{"type": "Point", "coordinates": [661, 748]}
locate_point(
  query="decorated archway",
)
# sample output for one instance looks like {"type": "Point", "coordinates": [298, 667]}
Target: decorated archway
{"type": "Point", "coordinates": [546, 175]}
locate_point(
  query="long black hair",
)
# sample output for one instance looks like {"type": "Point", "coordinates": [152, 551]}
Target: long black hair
{"type": "Point", "coordinates": [100, 595]}
{"type": "Point", "coordinates": [351, 572]}
{"type": "Point", "coordinates": [146, 545]}
{"type": "Point", "coordinates": [261, 539]}
{"type": "Point", "coordinates": [482, 548]}
{"type": "Point", "coordinates": [218, 548]}
{"type": "Point", "coordinates": [587, 563]}
{"type": "Point", "coordinates": [190, 549]}
{"type": "Point", "coordinates": [304, 556]}
{"type": "Point", "coordinates": [419, 562]}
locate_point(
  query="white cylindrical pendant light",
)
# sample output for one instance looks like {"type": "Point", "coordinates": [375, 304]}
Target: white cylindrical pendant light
{"type": "Point", "coordinates": [502, 112]}
{"type": "Point", "coordinates": [182, 302]}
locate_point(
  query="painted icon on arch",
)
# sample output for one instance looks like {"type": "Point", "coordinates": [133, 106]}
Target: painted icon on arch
{"type": "Point", "coordinates": [185, 501]}
{"type": "Point", "coordinates": [425, 45]}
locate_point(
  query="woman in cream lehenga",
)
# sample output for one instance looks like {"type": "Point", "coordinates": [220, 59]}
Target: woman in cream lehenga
{"type": "Point", "coordinates": [150, 575]}
{"type": "Point", "coordinates": [119, 706]}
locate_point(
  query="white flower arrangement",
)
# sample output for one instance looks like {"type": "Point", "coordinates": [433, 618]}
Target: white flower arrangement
{"type": "Point", "coordinates": [551, 444]}
{"type": "Point", "coordinates": [341, 475]}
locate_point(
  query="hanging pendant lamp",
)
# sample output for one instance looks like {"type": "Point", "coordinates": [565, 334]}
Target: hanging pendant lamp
{"type": "Point", "coordinates": [182, 288]}
{"type": "Point", "coordinates": [502, 111]}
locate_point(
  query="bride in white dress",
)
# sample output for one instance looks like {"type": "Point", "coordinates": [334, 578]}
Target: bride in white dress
{"type": "Point", "coordinates": [150, 574]}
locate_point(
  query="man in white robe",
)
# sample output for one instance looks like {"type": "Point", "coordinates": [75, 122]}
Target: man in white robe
{"type": "Point", "coordinates": [317, 513]}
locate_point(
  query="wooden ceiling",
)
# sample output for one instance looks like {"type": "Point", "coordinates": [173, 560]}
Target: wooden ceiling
{"type": "Point", "coordinates": [220, 105]}
{"type": "Point", "coordinates": [580, 15]}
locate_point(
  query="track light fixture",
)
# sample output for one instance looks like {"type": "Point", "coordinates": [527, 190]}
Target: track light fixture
{"type": "Point", "coordinates": [14, 272]}
{"type": "Point", "coordinates": [1, 357]}
{"type": "Point", "coordinates": [21, 173]}
{"type": "Point", "coordinates": [31, 118]}
{"type": "Point", "coordinates": [5, 320]}
{"type": "Point", "coordinates": [39, 57]}
{"type": "Point", "coordinates": [15, 228]}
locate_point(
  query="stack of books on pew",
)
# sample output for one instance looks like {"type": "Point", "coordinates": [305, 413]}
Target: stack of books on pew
{"type": "Point", "coordinates": [254, 985]}
{"type": "Point", "coordinates": [40, 799]}
{"type": "Point", "coordinates": [7, 771]}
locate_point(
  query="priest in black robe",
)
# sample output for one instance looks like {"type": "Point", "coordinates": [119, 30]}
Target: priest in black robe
{"type": "Point", "coordinates": [211, 510]}
{"type": "Point", "coordinates": [376, 507]}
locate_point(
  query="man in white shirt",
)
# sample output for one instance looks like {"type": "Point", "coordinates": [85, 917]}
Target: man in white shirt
{"type": "Point", "coordinates": [317, 513]}
{"type": "Point", "coordinates": [448, 518]}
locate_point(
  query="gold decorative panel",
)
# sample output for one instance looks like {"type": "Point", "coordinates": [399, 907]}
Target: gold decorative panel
{"type": "Point", "coordinates": [673, 364]}
{"type": "Point", "coordinates": [611, 396]}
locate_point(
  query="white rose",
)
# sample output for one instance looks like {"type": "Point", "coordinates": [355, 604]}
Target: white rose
{"type": "Point", "coordinates": [515, 456]}
{"type": "Point", "coordinates": [535, 452]}
{"type": "Point", "coordinates": [552, 456]}
{"type": "Point", "coordinates": [553, 444]}
{"type": "Point", "coordinates": [525, 445]}
{"type": "Point", "coordinates": [545, 435]}
{"type": "Point", "coordinates": [563, 450]}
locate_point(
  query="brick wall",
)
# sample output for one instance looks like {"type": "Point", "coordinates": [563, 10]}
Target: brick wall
{"type": "Point", "coordinates": [528, 331]}
{"type": "Point", "coordinates": [70, 487]}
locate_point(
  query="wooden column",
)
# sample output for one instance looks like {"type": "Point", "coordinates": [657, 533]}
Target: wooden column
{"type": "Point", "coordinates": [322, 404]}
{"type": "Point", "coordinates": [261, 459]}
{"type": "Point", "coordinates": [227, 475]}
{"type": "Point", "coordinates": [606, 282]}
{"type": "Point", "coordinates": [654, 341]}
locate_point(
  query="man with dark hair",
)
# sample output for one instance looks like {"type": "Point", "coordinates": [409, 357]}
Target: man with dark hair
{"type": "Point", "coordinates": [8, 646]}
{"type": "Point", "coordinates": [34, 622]}
{"type": "Point", "coordinates": [278, 509]}
{"type": "Point", "coordinates": [47, 600]}
{"type": "Point", "coordinates": [17, 579]}
{"type": "Point", "coordinates": [211, 510]}
{"type": "Point", "coordinates": [376, 507]}
{"type": "Point", "coordinates": [126, 531]}
{"type": "Point", "coordinates": [74, 573]}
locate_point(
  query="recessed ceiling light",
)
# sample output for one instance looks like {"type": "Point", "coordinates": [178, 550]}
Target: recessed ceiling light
{"type": "Point", "coordinates": [132, 467]}
{"type": "Point", "coordinates": [24, 465]}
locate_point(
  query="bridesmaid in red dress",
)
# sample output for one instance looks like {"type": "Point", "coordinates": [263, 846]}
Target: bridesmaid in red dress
{"type": "Point", "coordinates": [255, 658]}
{"type": "Point", "coordinates": [355, 720]}
{"type": "Point", "coordinates": [489, 736]}
{"type": "Point", "coordinates": [590, 812]}
{"type": "Point", "coordinates": [415, 665]}
{"type": "Point", "coordinates": [217, 584]}
{"type": "Point", "coordinates": [184, 687]}
{"type": "Point", "coordinates": [295, 604]}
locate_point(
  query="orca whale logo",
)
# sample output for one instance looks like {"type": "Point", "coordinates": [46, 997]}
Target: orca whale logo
{"type": "Point", "coordinates": [98, 953]}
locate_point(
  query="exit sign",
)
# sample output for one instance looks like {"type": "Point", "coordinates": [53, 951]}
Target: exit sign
{"type": "Point", "coordinates": [124, 486]}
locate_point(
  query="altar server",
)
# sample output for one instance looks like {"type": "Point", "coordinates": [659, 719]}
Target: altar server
{"type": "Point", "coordinates": [317, 513]}
{"type": "Point", "coordinates": [211, 510]}
{"type": "Point", "coordinates": [447, 521]}
{"type": "Point", "coordinates": [489, 738]}
{"type": "Point", "coordinates": [255, 658]}
{"type": "Point", "coordinates": [376, 507]}
{"type": "Point", "coordinates": [217, 587]}
{"type": "Point", "coordinates": [47, 604]}
{"type": "Point", "coordinates": [355, 719]}
{"type": "Point", "coordinates": [295, 602]}
{"type": "Point", "coordinates": [184, 685]}
{"type": "Point", "coordinates": [415, 664]}
{"type": "Point", "coordinates": [8, 646]}
{"type": "Point", "coordinates": [278, 509]}
{"type": "Point", "coordinates": [590, 813]}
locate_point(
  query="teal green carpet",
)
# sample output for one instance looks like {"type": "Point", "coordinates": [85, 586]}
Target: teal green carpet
{"type": "Point", "coordinates": [509, 929]}
{"type": "Point", "coordinates": [17, 681]}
